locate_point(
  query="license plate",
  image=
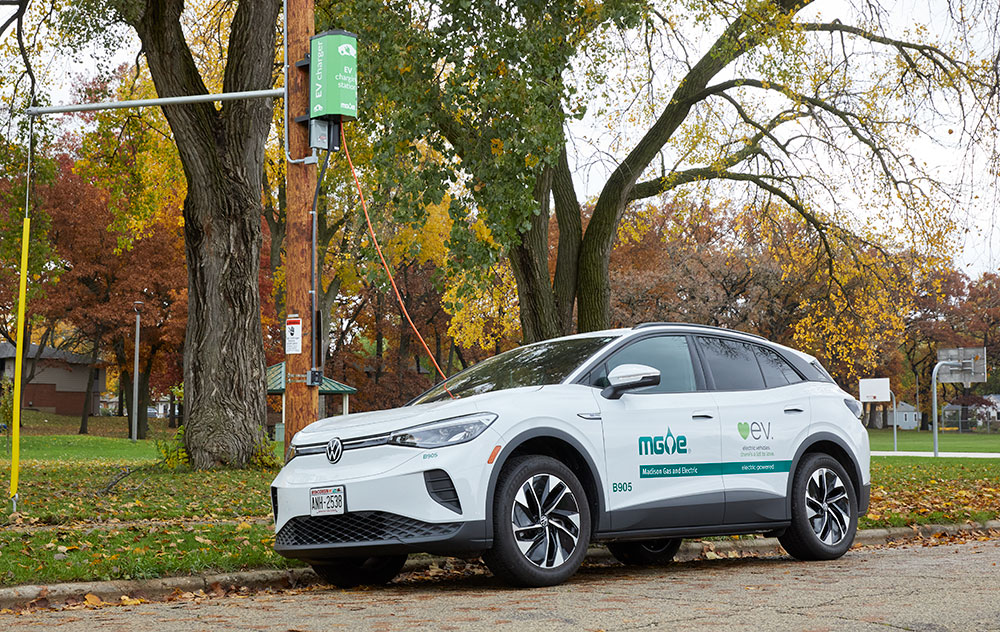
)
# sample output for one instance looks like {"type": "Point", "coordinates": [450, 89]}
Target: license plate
{"type": "Point", "coordinates": [327, 501]}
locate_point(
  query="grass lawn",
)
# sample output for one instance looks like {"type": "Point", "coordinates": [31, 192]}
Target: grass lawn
{"type": "Point", "coordinates": [218, 520]}
{"type": "Point", "coordinates": [34, 422]}
{"type": "Point", "coordinates": [951, 441]}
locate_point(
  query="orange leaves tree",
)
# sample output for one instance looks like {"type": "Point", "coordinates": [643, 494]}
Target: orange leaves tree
{"type": "Point", "coordinates": [99, 280]}
{"type": "Point", "coordinates": [767, 102]}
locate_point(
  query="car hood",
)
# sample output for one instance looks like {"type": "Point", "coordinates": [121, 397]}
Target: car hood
{"type": "Point", "coordinates": [384, 421]}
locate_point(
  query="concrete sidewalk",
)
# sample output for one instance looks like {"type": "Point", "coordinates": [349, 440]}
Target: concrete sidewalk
{"type": "Point", "coordinates": [151, 589]}
{"type": "Point", "coordinates": [960, 455]}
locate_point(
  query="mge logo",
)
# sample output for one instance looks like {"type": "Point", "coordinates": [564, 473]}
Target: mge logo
{"type": "Point", "coordinates": [667, 444]}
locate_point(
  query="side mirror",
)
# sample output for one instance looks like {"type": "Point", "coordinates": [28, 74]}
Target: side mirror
{"type": "Point", "coordinates": [629, 377]}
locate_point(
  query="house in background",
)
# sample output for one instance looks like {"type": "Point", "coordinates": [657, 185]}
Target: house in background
{"type": "Point", "coordinates": [906, 417]}
{"type": "Point", "coordinates": [60, 382]}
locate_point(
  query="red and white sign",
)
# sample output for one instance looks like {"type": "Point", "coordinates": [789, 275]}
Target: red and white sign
{"type": "Point", "coordinates": [293, 334]}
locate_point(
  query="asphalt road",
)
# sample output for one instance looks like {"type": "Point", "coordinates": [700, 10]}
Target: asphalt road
{"type": "Point", "coordinates": [912, 587]}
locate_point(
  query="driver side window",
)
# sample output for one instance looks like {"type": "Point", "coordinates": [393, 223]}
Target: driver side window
{"type": "Point", "coordinates": [668, 354]}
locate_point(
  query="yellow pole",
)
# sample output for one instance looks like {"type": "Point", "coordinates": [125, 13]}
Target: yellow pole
{"type": "Point", "coordinates": [15, 456]}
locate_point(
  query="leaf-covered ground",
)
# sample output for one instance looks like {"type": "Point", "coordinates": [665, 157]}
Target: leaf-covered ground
{"type": "Point", "coordinates": [927, 490]}
{"type": "Point", "coordinates": [134, 552]}
{"type": "Point", "coordinates": [58, 493]}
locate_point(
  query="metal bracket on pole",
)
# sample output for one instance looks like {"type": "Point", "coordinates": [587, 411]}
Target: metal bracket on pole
{"type": "Point", "coordinates": [158, 102]}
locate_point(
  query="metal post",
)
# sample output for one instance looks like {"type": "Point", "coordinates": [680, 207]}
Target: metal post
{"type": "Point", "coordinates": [135, 375]}
{"type": "Point", "coordinates": [895, 422]}
{"type": "Point", "coordinates": [934, 414]}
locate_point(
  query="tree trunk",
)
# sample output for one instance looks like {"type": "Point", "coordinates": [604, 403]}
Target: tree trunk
{"type": "Point", "coordinates": [89, 393]}
{"type": "Point", "coordinates": [142, 427]}
{"type": "Point", "coordinates": [529, 261]}
{"type": "Point", "coordinates": [222, 152]}
{"type": "Point", "coordinates": [121, 397]}
{"type": "Point", "coordinates": [172, 418]}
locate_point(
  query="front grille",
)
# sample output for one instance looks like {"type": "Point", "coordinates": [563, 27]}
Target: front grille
{"type": "Point", "coordinates": [359, 527]}
{"type": "Point", "coordinates": [442, 490]}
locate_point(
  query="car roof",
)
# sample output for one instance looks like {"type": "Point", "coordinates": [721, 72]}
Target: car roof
{"type": "Point", "coordinates": [686, 327]}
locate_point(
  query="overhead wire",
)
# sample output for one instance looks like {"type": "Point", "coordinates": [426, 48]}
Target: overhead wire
{"type": "Point", "coordinates": [385, 266]}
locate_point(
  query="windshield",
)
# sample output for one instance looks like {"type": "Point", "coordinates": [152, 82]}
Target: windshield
{"type": "Point", "coordinates": [532, 365]}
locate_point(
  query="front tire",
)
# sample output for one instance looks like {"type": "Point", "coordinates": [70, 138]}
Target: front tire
{"type": "Point", "coordinates": [824, 510]}
{"type": "Point", "coordinates": [349, 572]}
{"type": "Point", "coordinates": [541, 523]}
{"type": "Point", "coordinates": [645, 552]}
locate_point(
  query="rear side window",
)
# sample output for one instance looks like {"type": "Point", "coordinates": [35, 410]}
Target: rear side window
{"type": "Point", "coordinates": [733, 364]}
{"type": "Point", "coordinates": [668, 354]}
{"type": "Point", "coordinates": [776, 371]}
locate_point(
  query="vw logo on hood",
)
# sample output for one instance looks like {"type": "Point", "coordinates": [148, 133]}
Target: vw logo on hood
{"type": "Point", "coordinates": [334, 450]}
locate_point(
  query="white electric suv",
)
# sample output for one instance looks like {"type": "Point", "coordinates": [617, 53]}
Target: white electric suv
{"type": "Point", "coordinates": [634, 437]}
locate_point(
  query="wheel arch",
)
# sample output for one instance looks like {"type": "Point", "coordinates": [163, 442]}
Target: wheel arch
{"type": "Point", "coordinates": [565, 449]}
{"type": "Point", "coordinates": [836, 447]}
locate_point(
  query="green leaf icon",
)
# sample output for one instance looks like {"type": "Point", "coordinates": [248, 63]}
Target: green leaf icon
{"type": "Point", "coordinates": [744, 429]}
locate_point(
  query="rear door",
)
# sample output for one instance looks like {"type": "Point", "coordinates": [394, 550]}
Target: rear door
{"type": "Point", "coordinates": [661, 443]}
{"type": "Point", "coordinates": [764, 415]}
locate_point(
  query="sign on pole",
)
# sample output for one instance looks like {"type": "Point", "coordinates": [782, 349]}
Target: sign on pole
{"type": "Point", "coordinates": [964, 364]}
{"type": "Point", "coordinates": [293, 334]}
{"type": "Point", "coordinates": [333, 75]}
{"type": "Point", "coordinates": [874, 389]}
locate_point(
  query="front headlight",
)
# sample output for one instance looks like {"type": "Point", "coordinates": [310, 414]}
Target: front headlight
{"type": "Point", "coordinates": [439, 434]}
{"type": "Point", "coordinates": [289, 453]}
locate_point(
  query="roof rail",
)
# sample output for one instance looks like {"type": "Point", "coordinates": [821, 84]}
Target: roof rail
{"type": "Point", "coordinates": [698, 326]}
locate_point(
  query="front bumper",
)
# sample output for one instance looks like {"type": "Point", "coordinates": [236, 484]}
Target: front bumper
{"type": "Point", "coordinates": [398, 500]}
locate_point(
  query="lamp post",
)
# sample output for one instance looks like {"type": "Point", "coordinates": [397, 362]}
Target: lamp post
{"type": "Point", "coordinates": [137, 306]}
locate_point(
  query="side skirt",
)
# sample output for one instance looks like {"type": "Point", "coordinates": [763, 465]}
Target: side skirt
{"type": "Point", "coordinates": [692, 532]}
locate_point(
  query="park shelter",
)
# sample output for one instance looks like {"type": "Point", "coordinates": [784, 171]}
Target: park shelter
{"type": "Point", "coordinates": [276, 386]}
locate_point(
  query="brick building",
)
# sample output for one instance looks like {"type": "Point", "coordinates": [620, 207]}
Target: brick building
{"type": "Point", "coordinates": [60, 382]}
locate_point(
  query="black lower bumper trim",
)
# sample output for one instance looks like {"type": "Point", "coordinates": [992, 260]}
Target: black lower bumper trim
{"type": "Point", "coordinates": [376, 533]}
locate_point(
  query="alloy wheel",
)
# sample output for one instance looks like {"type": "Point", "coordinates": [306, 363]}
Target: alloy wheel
{"type": "Point", "coordinates": [828, 506]}
{"type": "Point", "coordinates": [546, 520]}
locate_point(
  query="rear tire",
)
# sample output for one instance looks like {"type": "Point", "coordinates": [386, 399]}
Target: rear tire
{"type": "Point", "coordinates": [645, 552]}
{"type": "Point", "coordinates": [824, 510]}
{"type": "Point", "coordinates": [541, 523]}
{"type": "Point", "coordinates": [349, 572]}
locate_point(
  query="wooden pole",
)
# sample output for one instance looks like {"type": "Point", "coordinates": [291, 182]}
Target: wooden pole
{"type": "Point", "coordinates": [301, 401]}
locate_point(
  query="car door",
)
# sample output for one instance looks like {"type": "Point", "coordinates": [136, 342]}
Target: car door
{"type": "Point", "coordinates": [661, 443]}
{"type": "Point", "coordinates": [764, 414]}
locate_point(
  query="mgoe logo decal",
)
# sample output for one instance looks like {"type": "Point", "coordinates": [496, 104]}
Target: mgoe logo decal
{"type": "Point", "coordinates": [667, 444]}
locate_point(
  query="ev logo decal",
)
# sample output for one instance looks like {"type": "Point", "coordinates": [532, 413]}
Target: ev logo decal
{"type": "Point", "coordinates": [347, 50]}
{"type": "Point", "coordinates": [755, 429]}
{"type": "Point", "coordinates": [667, 444]}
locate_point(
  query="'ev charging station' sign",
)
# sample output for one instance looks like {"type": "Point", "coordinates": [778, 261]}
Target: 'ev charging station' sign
{"type": "Point", "coordinates": [333, 75]}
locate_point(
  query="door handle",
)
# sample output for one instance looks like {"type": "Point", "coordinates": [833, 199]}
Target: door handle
{"type": "Point", "coordinates": [702, 414]}
{"type": "Point", "coordinates": [793, 410]}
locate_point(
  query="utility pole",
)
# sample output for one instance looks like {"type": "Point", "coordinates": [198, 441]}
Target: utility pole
{"type": "Point", "coordinates": [301, 401]}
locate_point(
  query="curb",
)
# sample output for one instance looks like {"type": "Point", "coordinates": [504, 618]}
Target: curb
{"type": "Point", "coordinates": [113, 591]}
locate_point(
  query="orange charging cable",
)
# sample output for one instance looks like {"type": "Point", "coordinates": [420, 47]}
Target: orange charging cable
{"type": "Point", "coordinates": [378, 249]}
